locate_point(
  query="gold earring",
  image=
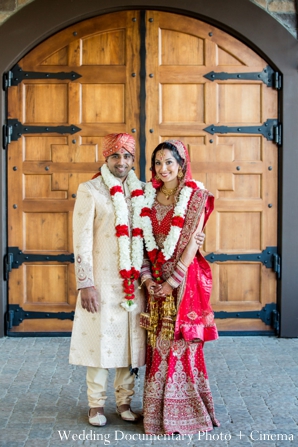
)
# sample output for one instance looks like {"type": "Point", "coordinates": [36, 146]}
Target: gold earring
{"type": "Point", "coordinates": [180, 173]}
{"type": "Point", "coordinates": [157, 177]}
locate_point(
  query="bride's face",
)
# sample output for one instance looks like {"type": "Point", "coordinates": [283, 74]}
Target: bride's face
{"type": "Point", "coordinates": [166, 165]}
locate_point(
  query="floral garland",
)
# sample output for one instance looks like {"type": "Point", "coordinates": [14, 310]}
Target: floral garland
{"type": "Point", "coordinates": [130, 252]}
{"type": "Point", "coordinates": [157, 256]}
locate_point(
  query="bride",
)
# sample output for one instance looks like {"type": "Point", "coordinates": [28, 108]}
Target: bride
{"type": "Point", "coordinates": [179, 318]}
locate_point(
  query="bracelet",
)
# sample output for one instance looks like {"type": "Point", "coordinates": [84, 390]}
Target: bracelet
{"type": "Point", "coordinates": [172, 282]}
{"type": "Point", "coordinates": [143, 280]}
{"type": "Point", "coordinates": [178, 275]}
{"type": "Point", "coordinates": [145, 269]}
{"type": "Point", "coordinates": [182, 265]}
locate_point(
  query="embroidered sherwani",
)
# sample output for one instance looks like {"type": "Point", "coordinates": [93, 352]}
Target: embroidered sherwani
{"type": "Point", "coordinates": [110, 338]}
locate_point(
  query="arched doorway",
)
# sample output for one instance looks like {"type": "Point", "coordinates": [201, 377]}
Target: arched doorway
{"type": "Point", "coordinates": [85, 82]}
{"type": "Point", "coordinates": [236, 20]}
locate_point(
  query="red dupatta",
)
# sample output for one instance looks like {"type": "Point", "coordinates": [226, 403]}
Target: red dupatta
{"type": "Point", "coordinates": [195, 318]}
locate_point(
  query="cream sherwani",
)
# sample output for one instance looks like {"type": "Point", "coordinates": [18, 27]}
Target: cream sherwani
{"type": "Point", "coordinates": [110, 338]}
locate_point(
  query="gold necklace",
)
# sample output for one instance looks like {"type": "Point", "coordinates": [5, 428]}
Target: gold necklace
{"type": "Point", "coordinates": [168, 192]}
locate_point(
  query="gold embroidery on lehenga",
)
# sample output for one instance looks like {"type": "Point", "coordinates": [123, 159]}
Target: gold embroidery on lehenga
{"type": "Point", "coordinates": [188, 402]}
{"type": "Point", "coordinates": [155, 386]}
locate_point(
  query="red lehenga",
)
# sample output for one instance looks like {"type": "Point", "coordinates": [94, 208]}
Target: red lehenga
{"type": "Point", "coordinates": [177, 395]}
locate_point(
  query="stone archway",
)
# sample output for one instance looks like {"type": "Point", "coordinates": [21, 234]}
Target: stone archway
{"type": "Point", "coordinates": [267, 37]}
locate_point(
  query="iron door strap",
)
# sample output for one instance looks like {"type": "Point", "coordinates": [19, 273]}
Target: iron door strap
{"type": "Point", "coordinates": [16, 75]}
{"type": "Point", "coordinates": [14, 129]}
{"type": "Point", "coordinates": [271, 130]}
{"type": "Point", "coordinates": [15, 258]}
{"type": "Point", "coordinates": [268, 76]}
{"type": "Point", "coordinates": [268, 315]}
{"type": "Point", "coordinates": [264, 314]}
{"type": "Point", "coordinates": [268, 257]}
{"type": "Point", "coordinates": [16, 315]}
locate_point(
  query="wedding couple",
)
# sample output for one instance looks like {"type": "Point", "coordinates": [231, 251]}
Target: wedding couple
{"type": "Point", "coordinates": [153, 303]}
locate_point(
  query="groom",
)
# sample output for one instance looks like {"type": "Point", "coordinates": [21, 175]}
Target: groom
{"type": "Point", "coordinates": [106, 335]}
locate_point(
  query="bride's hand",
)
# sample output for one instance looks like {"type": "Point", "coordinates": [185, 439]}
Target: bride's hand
{"type": "Point", "coordinates": [199, 238]}
{"type": "Point", "coordinates": [165, 290]}
{"type": "Point", "coordinates": [152, 287]}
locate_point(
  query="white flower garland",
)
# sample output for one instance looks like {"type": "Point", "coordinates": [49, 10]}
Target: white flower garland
{"type": "Point", "coordinates": [137, 246]}
{"type": "Point", "coordinates": [130, 252]}
{"type": "Point", "coordinates": [175, 231]}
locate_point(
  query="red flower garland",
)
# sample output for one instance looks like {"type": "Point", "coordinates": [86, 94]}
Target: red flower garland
{"type": "Point", "coordinates": [145, 212]}
{"type": "Point", "coordinates": [121, 230]}
{"type": "Point", "coordinates": [137, 232]}
{"type": "Point", "coordinates": [137, 193]}
{"type": "Point", "coordinates": [129, 276]}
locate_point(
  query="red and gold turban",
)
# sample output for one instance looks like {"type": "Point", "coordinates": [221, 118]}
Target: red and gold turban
{"type": "Point", "coordinates": [118, 142]}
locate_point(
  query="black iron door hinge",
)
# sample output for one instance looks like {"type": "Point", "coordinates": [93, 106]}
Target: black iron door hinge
{"type": "Point", "coordinates": [16, 315]}
{"type": "Point", "coordinates": [271, 130]}
{"type": "Point", "coordinates": [15, 258]}
{"type": "Point", "coordinates": [268, 257]}
{"type": "Point", "coordinates": [13, 130]}
{"type": "Point", "coordinates": [8, 260]}
{"type": "Point", "coordinates": [16, 75]}
{"type": "Point", "coordinates": [268, 76]}
{"type": "Point", "coordinates": [268, 315]}
{"type": "Point", "coordinates": [264, 314]}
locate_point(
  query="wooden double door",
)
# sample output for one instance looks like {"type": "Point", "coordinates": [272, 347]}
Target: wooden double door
{"type": "Point", "coordinates": [155, 75]}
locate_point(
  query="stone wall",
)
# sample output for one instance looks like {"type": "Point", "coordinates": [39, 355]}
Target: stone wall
{"type": "Point", "coordinates": [10, 7]}
{"type": "Point", "coordinates": [284, 11]}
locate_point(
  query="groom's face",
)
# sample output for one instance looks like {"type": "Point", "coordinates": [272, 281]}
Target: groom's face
{"type": "Point", "coordinates": [120, 163]}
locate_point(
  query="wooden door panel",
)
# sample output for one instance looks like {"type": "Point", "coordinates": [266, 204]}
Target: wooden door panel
{"type": "Point", "coordinates": [36, 96]}
{"type": "Point", "coordinates": [240, 170]}
{"type": "Point", "coordinates": [230, 293]}
{"type": "Point", "coordinates": [173, 95]}
{"type": "Point", "coordinates": [46, 169]}
{"type": "Point", "coordinates": [106, 48]}
{"type": "Point", "coordinates": [178, 48]}
{"type": "Point", "coordinates": [39, 284]}
{"type": "Point", "coordinates": [239, 96]}
{"type": "Point", "coordinates": [93, 96]}
{"type": "Point", "coordinates": [39, 235]}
